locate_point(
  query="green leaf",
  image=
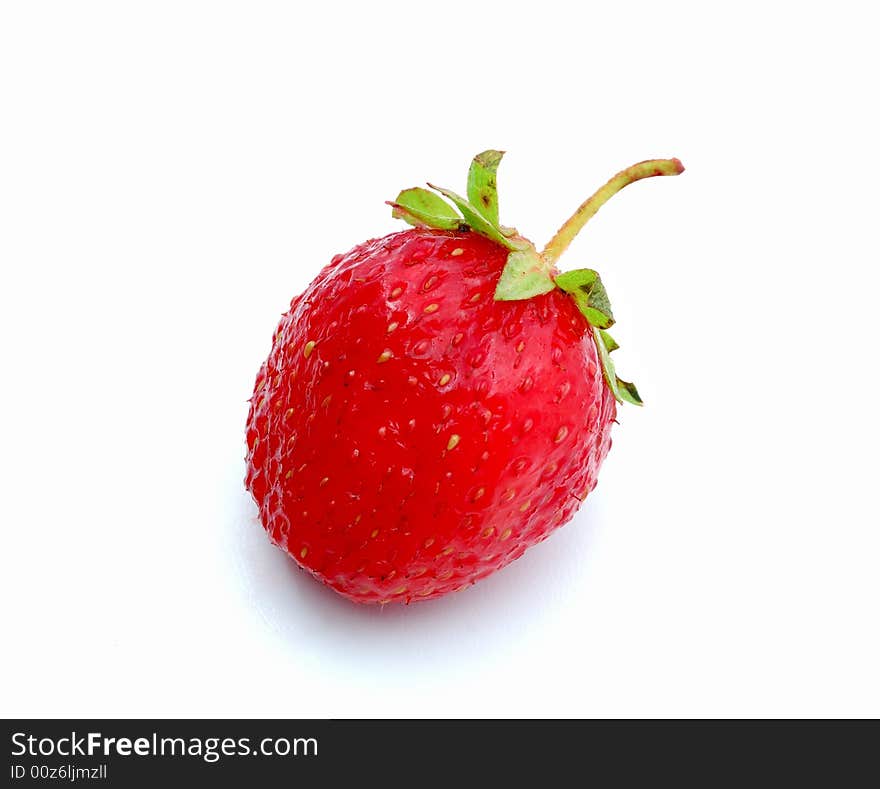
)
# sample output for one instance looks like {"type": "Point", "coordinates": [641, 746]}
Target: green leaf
{"type": "Point", "coordinates": [482, 187]}
{"type": "Point", "coordinates": [610, 342]}
{"type": "Point", "coordinates": [622, 390]}
{"type": "Point", "coordinates": [475, 219]}
{"type": "Point", "coordinates": [525, 275]}
{"type": "Point", "coordinates": [628, 392]}
{"type": "Point", "coordinates": [589, 294]}
{"type": "Point", "coordinates": [422, 208]}
{"type": "Point", "coordinates": [607, 364]}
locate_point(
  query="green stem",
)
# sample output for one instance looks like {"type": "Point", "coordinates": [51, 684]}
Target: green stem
{"type": "Point", "coordinates": [565, 235]}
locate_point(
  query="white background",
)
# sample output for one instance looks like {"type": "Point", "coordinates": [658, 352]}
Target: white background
{"type": "Point", "coordinates": [172, 173]}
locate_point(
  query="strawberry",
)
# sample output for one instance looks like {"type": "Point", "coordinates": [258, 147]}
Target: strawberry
{"type": "Point", "coordinates": [437, 400]}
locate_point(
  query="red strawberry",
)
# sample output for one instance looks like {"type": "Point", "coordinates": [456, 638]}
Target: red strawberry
{"type": "Point", "coordinates": [437, 400]}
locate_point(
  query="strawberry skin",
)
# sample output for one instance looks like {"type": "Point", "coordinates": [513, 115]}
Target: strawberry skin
{"type": "Point", "coordinates": [408, 434]}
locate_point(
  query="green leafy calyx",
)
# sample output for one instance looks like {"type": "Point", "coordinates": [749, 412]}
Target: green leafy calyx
{"type": "Point", "coordinates": [589, 294]}
{"type": "Point", "coordinates": [422, 208]}
{"type": "Point", "coordinates": [527, 272]}
{"type": "Point", "coordinates": [474, 217]}
{"type": "Point", "coordinates": [524, 273]}
{"type": "Point", "coordinates": [482, 189]}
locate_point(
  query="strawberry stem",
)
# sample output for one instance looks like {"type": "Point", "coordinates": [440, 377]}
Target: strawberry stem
{"type": "Point", "coordinates": [566, 234]}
